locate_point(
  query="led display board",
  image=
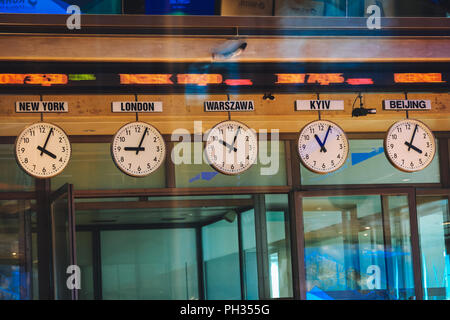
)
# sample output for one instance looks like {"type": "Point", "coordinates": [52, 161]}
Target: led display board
{"type": "Point", "coordinates": [220, 77]}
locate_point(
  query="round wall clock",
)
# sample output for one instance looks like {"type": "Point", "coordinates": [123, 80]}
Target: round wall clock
{"type": "Point", "coordinates": [138, 149]}
{"type": "Point", "coordinates": [322, 146]}
{"type": "Point", "coordinates": [231, 147]}
{"type": "Point", "coordinates": [43, 150]}
{"type": "Point", "coordinates": [409, 145]}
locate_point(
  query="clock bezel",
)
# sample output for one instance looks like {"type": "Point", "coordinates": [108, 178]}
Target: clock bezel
{"type": "Point", "coordinates": [17, 158]}
{"type": "Point", "coordinates": [163, 159]}
{"type": "Point", "coordinates": [211, 163]}
{"type": "Point", "coordinates": [305, 164]}
{"type": "Point", "coordinates": [392, 161]}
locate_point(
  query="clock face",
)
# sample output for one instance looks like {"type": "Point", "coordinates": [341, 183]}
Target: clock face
{"type": "Point", "coordinates": [409, 145]}
{"type": "Point", "coordinates": [43, 150]}
{"type": "Point", "coordinates": [138, 149]}
{"type": "Point", "coordinates": [231, 147]}
{"type": "Point", "coordinates": [322, 146]}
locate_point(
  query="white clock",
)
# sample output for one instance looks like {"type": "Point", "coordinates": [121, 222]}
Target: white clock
{"type": "Point", "coordinates": [43, 150]}
{"type": "Point", "coordinates": [138, 149]}
{"type": "Point", "coordinates": [409, 145]}
{"type": "Point", "coordinates": [231, 147]}
{"type": "Point", "coordinates": [322, 146]}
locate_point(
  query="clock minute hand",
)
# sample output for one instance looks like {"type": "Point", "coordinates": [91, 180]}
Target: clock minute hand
{"type": "Point", "coordinates": [234, 140]}
{"type": "Point", "coordinates": [42, 149]}
{"type": "Point", "coordinates": [142, 139]}
{"type": "Point", "coordinates": [410, 145]}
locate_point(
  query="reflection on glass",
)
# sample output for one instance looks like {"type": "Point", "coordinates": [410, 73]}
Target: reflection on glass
{"type": "Point", "coordinates": [221, 260]}
{"type": "Point", "coordinates": [149, 264]}
{"type": "Point", "coordinates": [16, 270]}
{"type": "Point", "coordinates": [434, 233]}
{"type": "Point", "coordinates": [250, 273]}
{"type": "Point", "coordinates": [84, 261]}
{"type": "Point", "coordinates": [12, 177]}
{"type": "Point", "coordinates": [364, 156]}
{"type": "Point", "coordinates": [355, 252]}
{"type": "Point", "coordinates": [91, 167]}
{"type": "Point", "coordinates": [279, 254]}
{"type": "Point", "coordinates": [194, 172]}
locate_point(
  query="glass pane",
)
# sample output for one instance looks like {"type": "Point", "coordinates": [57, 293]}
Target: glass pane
{"type": "Point", "coordinates": [13, 178]}
{"type": "Point", "coordinates": [434, 233]}
{"type": "Point", "coordinates": [149, 264]}
{"type": "Point", "coordinates": [84, 261]}
{"type": "Point", "coordinates": [354, 252]}
{"type": "Point", "coordinates": [221, 259]}
{"type": "Point", "coordinates": [250, 272]}
{"type": "Point", "coordinates": [60, 7]}
{"type": "Point", "coordinates": [279, 251]}
{"type": "Point", "coordinates": [62, 246]}
{"type": "Point", "coordinates": [16, 245]}
{"type": "Point", "coordinates": [91, 167]}
{"type": "Point", "coordinates": [194, 172]}
{"type": "Point", "coordinates": [367, 164]}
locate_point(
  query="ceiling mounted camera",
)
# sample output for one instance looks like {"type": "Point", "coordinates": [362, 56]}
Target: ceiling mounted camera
{"type": "Point", "coordinates": [229, 49]}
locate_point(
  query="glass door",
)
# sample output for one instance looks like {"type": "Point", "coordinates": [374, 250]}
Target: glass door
{"type": "Point", "coordinates": [357, 245]}
{"type": "Point", "coordinates": [63, 241]}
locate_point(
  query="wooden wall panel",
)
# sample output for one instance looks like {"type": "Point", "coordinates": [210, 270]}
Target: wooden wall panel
{"type": "Point", "coordinates": [91, 114]}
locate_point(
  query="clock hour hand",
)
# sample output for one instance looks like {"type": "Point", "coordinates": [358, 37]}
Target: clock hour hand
{"type": "Point", "coordinates": [228, 146]}
{"type": "Point", "coordinates": [134, 149]}
{"type": "Point", "coordinates": [322, 147]}
{"type": "Point", "coordinates": [42, 150]}
{"type": "Point", "coordinates": [410, 146]}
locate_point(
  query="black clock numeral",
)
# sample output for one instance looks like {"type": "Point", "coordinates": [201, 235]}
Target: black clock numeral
{"type": "Point", "coordinates": [121, 159]}
{"type": "Point", "coordinates": [60, 139]}
{"type": "Point", "coordinates": [338, 137]}
{"type": "Point", "coordinates": [232, 167]}
{"type": "Point", "coordinates": [424, 135]}
{"type": "Point", "coordinates": [129, 165]}
{"type": "Point", "coordinates": [323, 166]}
{"type": "Point", "coordinates": [155, 159]}
{"type": "Point", "coordinates": [332, 163]}
{"type": "Point", "coordinates": [119, 148]}
{"type": "Point", "coordinates": [127, 132]}
{"type": "Point", "coordinates": [54, 166]}
{"type": "Point", "coordinates": [60, 159]}
{"type": "Point", "coordinates": [148, 165]}
{"type": "Point", "coordinates": [26, 140]}
{"type": "Point", "coordinates": [420, 161]}
{"type": "Point", "coordinates": [411, 164]}
{"type": "Point", "coordinates": [311, 130]}
{"type": "Point", "coordinates": [122, 139]}
{"type": "Point", "coordinates": [157, 148]}
{"type": "Point", "coordinates": [306, 156]}
{"type": "Point", "coordinates": [304, 146]}
{"type": "Point", "coordinates": [44, 170]}
{"type": "Point", "coordinates": [306, 137]}
{"type": "Point", "coordinates": [34, 167]}
{"type": "Point", "coordinates": [315, 162]}
{"type": "Point", "coordinates": [25, 160]}
{"type": "Point", "coordinates": [42, 129]}
{"type": "Point", "coordinates": [155, 139]}
{"type": "Point", "coordinates": [22, 149]}
{"type": "Point", "coordinates": [32, 133]}
{"type": "Point", "coordinates": [395, 156]}
{"type": "Point", "coordinates": [403, 161]}
{"type": "Point", "coordinates": [246, 138]}
{"type": "Point", "coordinates": [63, 149]}
{"type": "Point", "coordinates": [399, 129]}
{"type": "Point", "coordinates": [394, 136]}
{"type": "Point", "coordinates": [137, 129]}
{"type": "Point", "coordinates": [139, 168]}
